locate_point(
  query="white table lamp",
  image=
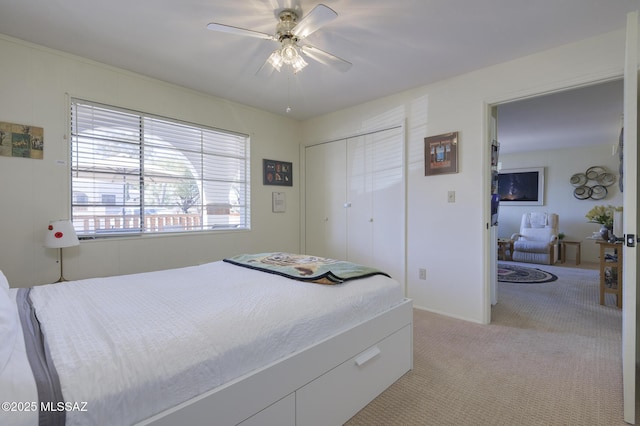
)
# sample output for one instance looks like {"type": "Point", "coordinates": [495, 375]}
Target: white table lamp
{"type": "Point", "coordinates": [61, 234]}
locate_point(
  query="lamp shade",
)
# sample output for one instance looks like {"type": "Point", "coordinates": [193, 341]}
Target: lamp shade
{"type": "Point", "coordinates": [61, 234]}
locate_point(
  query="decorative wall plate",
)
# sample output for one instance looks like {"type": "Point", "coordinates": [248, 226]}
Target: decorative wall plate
{"type": "Point", "coordinates": [598, 192]}
{"type": "Point", "coordinates": [579, 179]}
{"type": "Point", "coordinates": [595, 171]}
{"type": "Point", "coordinates": [592, 183]}
{"type": "Point", "coordinates": [582, 192]}
{"type": "Point", "coordinates": [606, 179]}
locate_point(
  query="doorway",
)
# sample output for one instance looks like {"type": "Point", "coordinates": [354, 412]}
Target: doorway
{"type": "Point", "coordinates": [564, 134]}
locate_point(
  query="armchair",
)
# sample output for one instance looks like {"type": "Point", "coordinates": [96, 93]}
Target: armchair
{"type": "Point", "coordinates": [537, 241]}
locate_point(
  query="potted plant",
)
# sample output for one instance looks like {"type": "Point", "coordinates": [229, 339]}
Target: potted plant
{"type": "Point", "coordinates": [604, 216]}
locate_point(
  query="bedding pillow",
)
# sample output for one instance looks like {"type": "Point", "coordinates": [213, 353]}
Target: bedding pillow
{"type": "Point", "coordinates": [8, 322]}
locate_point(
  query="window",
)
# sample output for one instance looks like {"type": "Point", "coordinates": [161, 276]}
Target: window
{"type": "Point", "coordinates": [133, 173]}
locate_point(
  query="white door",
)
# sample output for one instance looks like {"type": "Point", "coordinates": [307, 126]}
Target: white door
{"type": "Point", "coordinates": [630, 199]}
{"type": "Point", "coordinates": [493, 234]}
{"type": "Point", "coordinates": [325, 195]}
{"type": "Point", "coordinates": [355, 200]}
{"type": "Point", "coordinates": [375, 195]}
{"type": "Point", "coordinates": [359, 199]}
{"type": "Point", "coordinates": [388, 200]}
{"type": "Point", "coordinates": [315, 200]}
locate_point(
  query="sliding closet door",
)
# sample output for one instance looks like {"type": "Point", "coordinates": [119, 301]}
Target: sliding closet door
{"type": "Point", "coordinates": [388, 200]}
{"type": "Point", "coordinates": [359, 202]}
{"type": "Point", "coordinates": [375, 196]}
{"type": "Point", "coordinates": [355, 200]}
{"type": "Point", "coordinates": [326, 233]}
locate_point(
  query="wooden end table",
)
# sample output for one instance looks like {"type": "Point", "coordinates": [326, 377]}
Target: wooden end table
{"type": "Point", "coordinates": [505, 249]}
{"type": "Point", "coordinates": [563, 250]}
{"type": "Point", "coordinates": [611, 270]}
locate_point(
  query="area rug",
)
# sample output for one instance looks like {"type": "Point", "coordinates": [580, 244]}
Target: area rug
{"type": "Point", "coordinates": [523, 275]}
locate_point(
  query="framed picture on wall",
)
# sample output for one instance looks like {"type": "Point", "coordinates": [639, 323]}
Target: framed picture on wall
{"type": "Point", "coordinates": [21, 140]}
{"type": "Point", "coordinates": [522, 187]}
{"type": "Point", "coordinates": [277, 173]}
{"type": "Point", "coordinates": [441, 154]}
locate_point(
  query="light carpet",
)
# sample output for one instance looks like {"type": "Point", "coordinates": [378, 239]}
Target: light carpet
{"type": "Point", "coordinates": [551, 356]}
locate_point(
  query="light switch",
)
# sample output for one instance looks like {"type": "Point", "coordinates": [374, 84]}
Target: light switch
{"type": "Point", "coordinates": [451, 196]}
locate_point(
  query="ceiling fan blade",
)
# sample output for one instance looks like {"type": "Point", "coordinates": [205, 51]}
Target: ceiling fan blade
{"type": "Point", "coordinates": [317, 18]}
{"type": "Point", "coordinates": [239, 31]}
{"type": "Point", "coordinates": [326, 58]}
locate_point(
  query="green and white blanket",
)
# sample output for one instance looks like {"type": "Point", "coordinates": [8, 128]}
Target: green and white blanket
{"type": "Point", "coordinates": [304, 268]}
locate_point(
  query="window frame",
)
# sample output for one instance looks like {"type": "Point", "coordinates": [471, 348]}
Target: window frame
{"type": "Point", "coordinates": [229, 149]}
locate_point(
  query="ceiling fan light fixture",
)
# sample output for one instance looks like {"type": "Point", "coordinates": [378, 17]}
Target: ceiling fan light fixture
{"type": "Point", "coordinates": [298, 64]}
{"type": "Point", "coordinates": [288, 53]}
{"type": "Point", "coordinates": [276, 60]}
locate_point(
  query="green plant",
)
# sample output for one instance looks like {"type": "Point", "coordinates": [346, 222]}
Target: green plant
{"type": "Point", "coordinates": [602, 215]}
{"type": "Point", "coordinates": [561, 235]}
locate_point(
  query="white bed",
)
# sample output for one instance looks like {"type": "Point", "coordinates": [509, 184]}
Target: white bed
{"type": "Point", "coordinates": [211, 344]}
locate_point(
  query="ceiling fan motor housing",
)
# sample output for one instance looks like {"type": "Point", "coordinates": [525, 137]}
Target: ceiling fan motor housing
{"type": "Point", "coordinates": [288, 19]}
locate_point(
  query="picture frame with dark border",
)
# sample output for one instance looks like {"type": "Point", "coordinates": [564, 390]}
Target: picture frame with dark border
{"type": "Point", "coordinates": [277, 173]}
{"type": "Point", "coordinates": [441, 154]}
{"type": "Point", "coordinates": [521, 187]}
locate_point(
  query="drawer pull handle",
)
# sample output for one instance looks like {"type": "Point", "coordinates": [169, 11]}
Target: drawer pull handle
{"type": "Point", "coordinates": [367, 356]}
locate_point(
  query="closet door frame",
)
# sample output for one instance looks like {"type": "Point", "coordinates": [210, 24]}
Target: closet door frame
{"type": "Point", "coordinates": [309, 198]}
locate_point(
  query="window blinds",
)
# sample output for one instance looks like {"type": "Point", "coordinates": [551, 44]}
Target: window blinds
{"type": "Point", "coordinates": [138, 173]}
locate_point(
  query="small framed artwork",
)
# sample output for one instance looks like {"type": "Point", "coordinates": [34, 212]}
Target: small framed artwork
{"type": "Point", "coordinates": [441, 154]}
{"type": "Point", "coordinates": [521, 187]}
{"type": "Point", "coordinates": [21, 140]}
{"type": "Point", "coordinates": [279, 202]}
{"type": "Point", "coordinates": [277, 173]}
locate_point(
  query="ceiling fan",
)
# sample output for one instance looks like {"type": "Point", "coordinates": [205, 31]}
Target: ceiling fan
{"type": "Point", "coordinates": [290, 33]}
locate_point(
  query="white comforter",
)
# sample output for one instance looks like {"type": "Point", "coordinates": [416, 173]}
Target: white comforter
{"type": "Point", "coordinates": [135, 345]}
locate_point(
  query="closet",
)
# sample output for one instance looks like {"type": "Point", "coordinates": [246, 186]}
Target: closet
{"type": "Point", "coordinates": [355, 200]}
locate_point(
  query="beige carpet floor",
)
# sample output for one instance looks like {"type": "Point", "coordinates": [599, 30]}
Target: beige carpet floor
{"type": "Point", "coordinates": [551, 356]}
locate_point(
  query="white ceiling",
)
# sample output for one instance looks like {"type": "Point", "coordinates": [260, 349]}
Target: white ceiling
{"type": "Point", "coordinates": [393, 45]}
{"type": "Point", "coordinates": [586, 116]}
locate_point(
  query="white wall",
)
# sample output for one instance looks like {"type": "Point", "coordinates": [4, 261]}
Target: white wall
{"type": "Point", "coordinates": [450, 240]}
{"type": "Point", "coordinates": [34, 83]}
{"type": "Point", "coordinates": [560, 165]}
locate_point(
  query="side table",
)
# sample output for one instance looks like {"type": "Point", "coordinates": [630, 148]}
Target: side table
{"type": "Point", "coordinates": [505, 248]}
{"type": "Point", "coordinates": [563, 250]}
{"type": "Point", "coordinates": [610, 270]}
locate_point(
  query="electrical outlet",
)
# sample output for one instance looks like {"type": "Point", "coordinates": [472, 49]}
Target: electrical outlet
{"type": "Point", "coordinates": [422, 274]}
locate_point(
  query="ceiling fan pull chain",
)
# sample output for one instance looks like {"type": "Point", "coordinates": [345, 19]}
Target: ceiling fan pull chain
{"type": "Point", "coordinates": [288, 109]}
